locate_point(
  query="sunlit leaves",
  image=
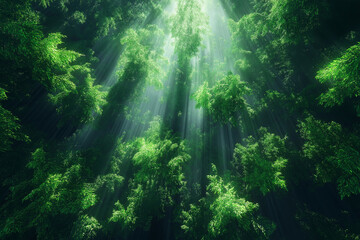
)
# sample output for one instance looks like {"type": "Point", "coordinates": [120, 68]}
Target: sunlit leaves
{"type": "Point", "coordinates": [53, 65]}
{"type": "Point", "coordinates": [45, 3]}
{"type": "Point", "coordinates": [222, 214]}
{"type": "Point", "coordinates": [227, 207]}
{"type": "Point", "coordinates": [348, 161]}
{"type": "Point", "coordinates": [61, 193]}
{"type": "Point", "coordinates": [78, 104]}
{"type": "Point", "coordinates": [225, 100]}
{"type": "Point", "coordinates": [9, 127]}
{"type": "Point", "coordinates": [192, 221]}
{"type": "Point", "coordinates": [138, 52]}
{"type": "Point", "coordinates": [71, 86]}
{"type": "Point", "coordinates": [252, 25]}
{"type": "Point", "coordinates": [188, 25]}
{"type": "Point", "coordinates": [334, 154]}
{"type": "Point", "coordinates": [86, 228]}
{"type": "Point", "coordinates": [79, 17]}
{"type": "Point", "coordinates": [342, 75]}
{"type": "Point", "coordinates": [202, 96]}
{"type": "Point", "coordinates": [138, 65]}
{"type": "Point", "coordinates": [128, 215]}
{"type": "Point", "coordinates": [157, 179]}
{"type": "Point", "coordinates": [34, 59]}
{"type": "Point", "coordinates": [110, 182]}
{"type": "Point", "coordinates": [39, 164]}
{"type": "Point", "coordinates": [294, 20]}
{"type": "Point", "coordinates": [57, 189]}
{"type": "Point", "coordinates": [261, 163]}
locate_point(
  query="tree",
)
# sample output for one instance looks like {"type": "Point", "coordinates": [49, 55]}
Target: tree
{"type": "Point", "coordinates": [260, 162]}
{"type": "Point", "coordinates": [333, 153]}
{"type": "Point", "coordinates": [10, 128]}
{"type": "Point", "coordinates": [37, 63]}
{"type": "Point", "coordinates": [224, 215]}
{"type": "Point", "coordinates": [295, 20]}
{"type": "Point", "coordinates": [56, 192]}
{"type": "Point", "coordinates": [188, 26]}
{"type": "Point", "coordinates": [342, 77]}
{"type": "Point", "coordinates": [225, 100]}
{"type": "Point", "coordinates": [157, 179]}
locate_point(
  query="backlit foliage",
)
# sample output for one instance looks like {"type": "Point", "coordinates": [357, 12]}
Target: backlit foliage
{"type": "Point", "coordinates": [138, 52]}
{"type": "Point", "coordinates": [86, 228]}
{"type": "Point", "coordinates": [342, 76]}
{"type": "Point", "coordinates": [225, 100]}
{"type": "Point", "coordinates": [334, 153]}
{"type": "Point", "coordinates": [9, 126]}
{"type": "Point", "coordinates": [77, 163]}
{"type": "Point", "coordinates": [226, 215]}
{"type": "Point", "coordinates": [157, 179]}
{"type": "Point", "coordinates": [188, 26]}
{"type": "Point", "coordinates": [261, 162]}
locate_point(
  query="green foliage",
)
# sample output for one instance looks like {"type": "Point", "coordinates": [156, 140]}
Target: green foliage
{"type": "Point", "coordinates": [53, 192]}
{"type": "Point", "coordinates": [9, 127]}
{"type": "Point", "coordinates": [86, 228]}
{"type": "Point", "coordinates": [227, 208]}
{"type": "Point", "coordinates": [342, 77]}
{"type": "Point", "coordinates": [71, 86]}
{"type": "Point", "coordinates": [40, 166]}
{"type": "Point", "coordinates": [260, 163]}
{"type": "Point", "coordinates": [266, 40]}
{"type": "Point", "coordinates": [45, 3]}
{"type": "Point", "coordinates": [225, 214]}
{"type": "Point", "coordinates": [194, 220]}
{"type": "Point", "coordinates": [295, 20]}
{"type": "Point", "coordinates": [225, 100]}
{"type": "Point", "coordinates": [252, 51]}
{"type": "Point", "coordinates": [112, 18]}
{"type": "Point", "coordinates": [139, 64]}
{"type": "Point", "coordinates": [109, 181]}
{"type": "Point", "coordinates": [157, 179]}
{"type": "Point", "coordinates": [252, 25]}
{"type": "Point", "coordinates": [274, 100]}
{"type": "Point", "coordinates": [138, 52]}
{"type": "Point", "coordinates": [78, 104]}
{"type": "Point", "coordinates": [35, 59]}
{"type": "Point", "coordinates": [188, 26]}
{"type": "Point", "coordinates": [20, 31]}
{"type": "Point", "coordinates": [79, 17]}
{"type": "Point", "coordinates": [334, 154]}
{"type": "Point", "coordinates": [53, 64]}
{"type": "Point", "coordinates": [58, 190]}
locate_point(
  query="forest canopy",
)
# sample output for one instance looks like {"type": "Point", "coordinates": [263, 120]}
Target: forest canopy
{"type": "Point", "coordinates": [179, 119]}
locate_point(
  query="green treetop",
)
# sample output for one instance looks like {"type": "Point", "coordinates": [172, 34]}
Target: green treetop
{"type": "Point", "coordinates": [334, 154]}
{"type": "Point", "coordinates": [225, 100]}
{"type": "Point", "coordinates": [260, 163]}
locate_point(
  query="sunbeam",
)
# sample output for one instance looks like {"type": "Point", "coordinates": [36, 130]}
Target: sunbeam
{"type": "Point", "coordinates": [179, 119]}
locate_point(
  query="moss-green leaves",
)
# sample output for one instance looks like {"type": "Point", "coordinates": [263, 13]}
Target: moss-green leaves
{"type": "Point", "coordinates": [85, 228]}
{"type": "Point", "coordinates": [9, 127]}
{"type": "Point", "coordinates": [342, 76]}
{"type": "Point", "coordinates": [138, 52]}
{"type": "Point", "coordinates": [157, 179]}
{"type": "Point", "coordinates": [222, 214]}
{"type": "Point", "coordinates": [294, 20]}
{"type": "Point", "coordinates": [261, 163]}
{"type": "Point", "coordinates": [225, 100]}
{"type": "Point", "coordinates": [334, 154]}
{"type": "Point", "coordinates": [188, 25]}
